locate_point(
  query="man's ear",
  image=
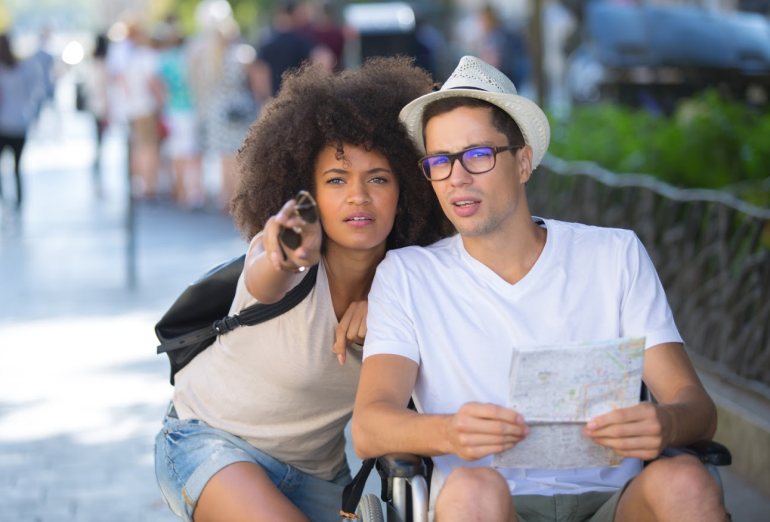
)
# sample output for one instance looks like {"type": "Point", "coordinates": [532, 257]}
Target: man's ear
{"type": "Point", "coordinates": [524, 164]}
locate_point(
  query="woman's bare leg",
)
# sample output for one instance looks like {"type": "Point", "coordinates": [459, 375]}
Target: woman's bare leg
{"type": "Point", "coordinates": [242, 492]}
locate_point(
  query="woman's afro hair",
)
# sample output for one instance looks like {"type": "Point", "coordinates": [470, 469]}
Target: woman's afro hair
{"type": "Point", "coordinates": [314, 109]}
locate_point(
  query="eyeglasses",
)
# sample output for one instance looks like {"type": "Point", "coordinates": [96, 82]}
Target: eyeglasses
{"type": "Point", "coordinates": [476, 160]}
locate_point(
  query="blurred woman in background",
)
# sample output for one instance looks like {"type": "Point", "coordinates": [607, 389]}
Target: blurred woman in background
{"type": "Point", "coordinates": [21, 91]}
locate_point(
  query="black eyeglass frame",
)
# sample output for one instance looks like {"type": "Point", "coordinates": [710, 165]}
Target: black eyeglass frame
{"type": "Point", "coordinates": [459, 156]}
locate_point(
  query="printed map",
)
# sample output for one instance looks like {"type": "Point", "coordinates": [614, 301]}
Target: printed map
{"type": "Point", "coordinates": [559, 388]}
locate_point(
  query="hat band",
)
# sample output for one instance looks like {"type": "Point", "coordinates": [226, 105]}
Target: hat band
{"type": "Point", "coordinates": [468, 87]}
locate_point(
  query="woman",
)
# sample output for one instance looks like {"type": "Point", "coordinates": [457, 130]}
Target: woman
{"type": "Point", "coordinates": [232, 105]}
{"type": "Point", "coordinates": [22, 89]}
{"type": "Point", "coordinates": [256, 428]}
{"type": "Point", "coordinates": [182, 144]}
{"type": "Point", "coordinates": [96, 100]}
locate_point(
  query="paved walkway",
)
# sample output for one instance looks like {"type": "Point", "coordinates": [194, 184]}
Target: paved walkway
{"type": "Point", "coordinates": [81, 389]}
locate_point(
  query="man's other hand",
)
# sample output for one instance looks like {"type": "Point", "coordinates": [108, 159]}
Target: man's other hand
{"type": "Point", "coordinates": [642, 431]}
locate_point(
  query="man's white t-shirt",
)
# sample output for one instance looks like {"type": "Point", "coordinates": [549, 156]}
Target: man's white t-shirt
{"type": "Point", "coordinates": [460, 322]}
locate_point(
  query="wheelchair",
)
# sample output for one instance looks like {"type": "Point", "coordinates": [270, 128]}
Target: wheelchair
{"type": "Point", "coordinates": [405, 481]}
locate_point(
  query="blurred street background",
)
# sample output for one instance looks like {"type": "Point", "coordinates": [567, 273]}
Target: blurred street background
{"type": "Point", "coordinates": [101, 240]}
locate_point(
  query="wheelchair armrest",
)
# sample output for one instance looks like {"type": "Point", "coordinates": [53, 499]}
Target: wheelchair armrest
{"type": "Point", "coordinates": [401, 465]}
{"type": "Point", "coordinates": [405, 482]}
{"type": "Point", "coordinates": [708, 452]}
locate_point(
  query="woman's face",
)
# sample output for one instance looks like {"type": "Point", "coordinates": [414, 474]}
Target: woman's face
{"type": "Point", "coordinates": [357, 197]}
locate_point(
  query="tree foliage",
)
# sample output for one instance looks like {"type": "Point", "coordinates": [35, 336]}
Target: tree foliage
{"type": "Point", "coordinates": [709, 142]}
{"type": "Point", "coordinates": [248, 13]}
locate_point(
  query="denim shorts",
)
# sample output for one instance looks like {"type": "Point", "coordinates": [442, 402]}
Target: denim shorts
{"type": "Point", "coordinates": [189, 452]}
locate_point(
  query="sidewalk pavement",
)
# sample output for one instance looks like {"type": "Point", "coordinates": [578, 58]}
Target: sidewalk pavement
{"type": "Point", "coordinates": [81, 389]}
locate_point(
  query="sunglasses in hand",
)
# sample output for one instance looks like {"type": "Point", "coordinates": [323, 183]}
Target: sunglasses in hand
{"type": "Point", "coordinates": [306, 209]}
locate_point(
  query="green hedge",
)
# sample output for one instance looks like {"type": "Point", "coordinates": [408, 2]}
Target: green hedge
{"type": "Point", "coordinates": [709, 142]}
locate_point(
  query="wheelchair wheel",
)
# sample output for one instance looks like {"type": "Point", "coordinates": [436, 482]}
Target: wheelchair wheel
{"type": "Point", "coordinates": [370, 509]}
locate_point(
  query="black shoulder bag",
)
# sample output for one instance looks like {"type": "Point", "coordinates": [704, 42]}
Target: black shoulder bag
{"type": "Point", "coordinates": [199, 314]}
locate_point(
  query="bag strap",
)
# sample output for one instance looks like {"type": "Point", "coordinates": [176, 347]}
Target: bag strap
{"type": "Point", "coordinates": [351, 494]}
{"type": "Point", "coordinates": [254, 314]}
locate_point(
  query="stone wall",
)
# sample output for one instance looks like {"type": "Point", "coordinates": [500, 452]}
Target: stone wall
{"type": "Point", "coordinates": [712, 253]}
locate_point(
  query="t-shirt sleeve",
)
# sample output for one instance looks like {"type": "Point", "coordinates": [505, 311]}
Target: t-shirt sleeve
{"type": "Point", "coordinates": [389, 325]}
{"type": "Point", "coordinates": [645, 309]}
{"type": "Point", "coordinates": [243, 298]}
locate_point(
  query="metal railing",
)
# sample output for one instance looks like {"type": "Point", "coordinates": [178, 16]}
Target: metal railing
{"type": "Point", "coordinates": [711, 250]}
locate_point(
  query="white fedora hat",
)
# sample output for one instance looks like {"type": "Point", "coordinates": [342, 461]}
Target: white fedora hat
{"type": "Point", "coordinates": [474, 78]}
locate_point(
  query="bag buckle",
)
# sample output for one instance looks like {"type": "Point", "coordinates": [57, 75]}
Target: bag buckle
{"type": "Point", "coordinates": [222, 326]}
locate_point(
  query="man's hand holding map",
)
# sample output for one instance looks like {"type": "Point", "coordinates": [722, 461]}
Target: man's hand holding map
{"type": "Point", "coordinates": [557, 389]}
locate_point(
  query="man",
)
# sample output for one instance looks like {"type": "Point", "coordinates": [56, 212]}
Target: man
{"type": "Point", "coordinates": [444, 320]}
{"type": "Point", "coordinates": [287, 47]}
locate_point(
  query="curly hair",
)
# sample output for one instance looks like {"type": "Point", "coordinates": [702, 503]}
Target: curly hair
{"type": "Point", "coordinates": [315, 109]}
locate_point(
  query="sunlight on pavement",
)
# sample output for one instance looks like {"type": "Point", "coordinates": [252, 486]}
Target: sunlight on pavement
{"type": "Point", "coordinates": [92, 378]}
{"type": "Point", "coordinates": [48, 156]}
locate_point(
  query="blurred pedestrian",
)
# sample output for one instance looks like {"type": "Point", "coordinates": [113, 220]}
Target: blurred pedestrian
{"type": "Point", "coordinates": [45, 61]}
{"type": "Point", "coordinates": [324, 29]}
{"type": "Point", "coordinates": [97, 100]}
{"type": "Point", "coordinates": [561, 24]}
{"type": "Point", "coordinates": [182, 144]}
{"type": "Point", "coordinates": [206, 56]}
{"type": "Point", "coordinates": [286, 47]}
{"type": "Point", "coordinates": [429, 44]}
{"type": "Point", "coordinates": [215, 76]}
{"type": "Point", "coordinates": [232, 104]}
{"type": "Point", "coordinates": [142, 109]}
{"type": "Point", "coordinates": [21, 90]}
{"type": "Point", "coordinates": [118, 52]}
{"type": "Point", "coordinates": [502, 47]}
